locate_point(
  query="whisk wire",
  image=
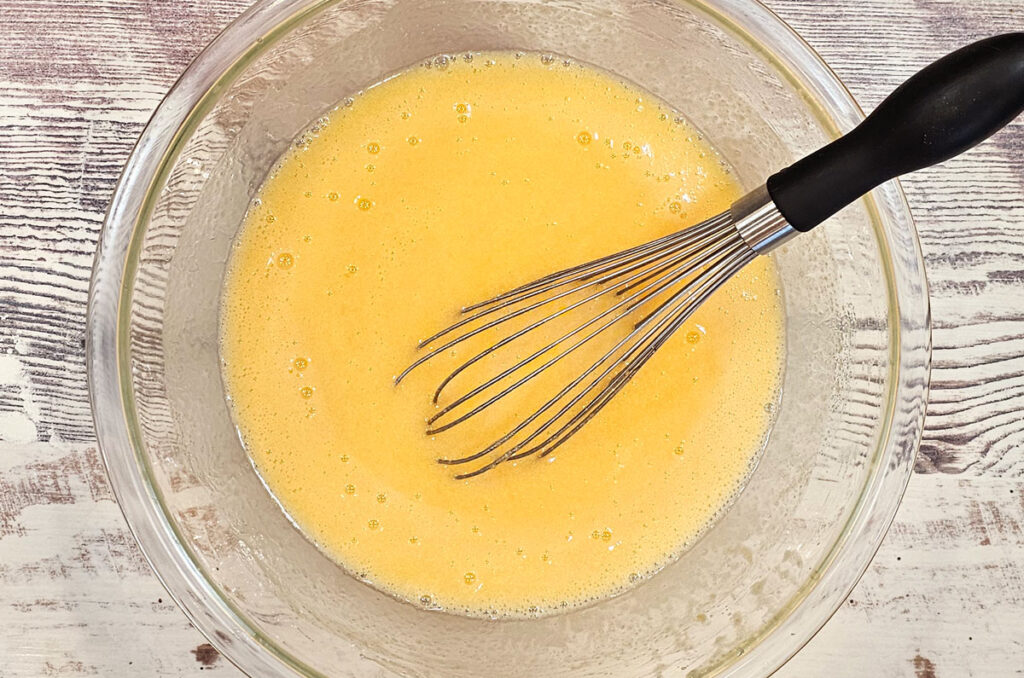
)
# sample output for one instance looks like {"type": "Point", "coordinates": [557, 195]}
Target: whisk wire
{"type": "Point", "coordinates": [646, 347]}
{"type": "Point", "coordinates": [630, 302]}
{"type": "Point", "coordinates": [629, 364]}
{"type": "Point", "coordinates": [631, 369]}
{"type": "Point", "coordinates": [583, 272]}
{"type": "Point", "coordinates": [687, 266]}
{"type": "Point", "coordinates": [627, 284]}
{"type": "Point", "coordinates": [684, 234]}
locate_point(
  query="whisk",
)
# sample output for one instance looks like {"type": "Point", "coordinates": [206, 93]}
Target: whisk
{"type": "Point", "coordinates": [943, 110]}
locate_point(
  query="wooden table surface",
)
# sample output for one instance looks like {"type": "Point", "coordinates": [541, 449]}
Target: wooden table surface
{"type": "Point", "coordinates": [944, 597]}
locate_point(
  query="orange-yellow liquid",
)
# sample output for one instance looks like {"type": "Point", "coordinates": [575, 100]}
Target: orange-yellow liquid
{"type": "Point", "coordinates": [437, 188]}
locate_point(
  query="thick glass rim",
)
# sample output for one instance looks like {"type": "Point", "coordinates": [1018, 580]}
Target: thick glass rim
{"type": "Point", "coordinates": [109, 370]}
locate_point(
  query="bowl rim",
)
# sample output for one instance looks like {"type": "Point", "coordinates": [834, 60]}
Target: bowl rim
{"type": "Point", "coordinates": [107, 364]}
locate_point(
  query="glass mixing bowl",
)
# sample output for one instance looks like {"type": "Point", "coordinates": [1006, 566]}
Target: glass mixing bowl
{"type": "Point", "coordinates": [747, 596]}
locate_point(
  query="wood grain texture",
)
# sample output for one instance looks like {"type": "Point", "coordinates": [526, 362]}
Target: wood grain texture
{"type": "Point", "coordinates": [943, 598]}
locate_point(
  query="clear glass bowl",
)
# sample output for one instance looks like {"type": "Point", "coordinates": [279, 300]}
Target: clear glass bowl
{"type": "Point", "coordinates": [747, 596]}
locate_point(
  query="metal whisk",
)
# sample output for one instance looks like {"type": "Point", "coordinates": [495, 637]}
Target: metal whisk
{"type": "Point", "coordinates": [943, 110]}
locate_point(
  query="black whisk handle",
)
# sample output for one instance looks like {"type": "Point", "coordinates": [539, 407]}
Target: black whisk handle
{"type": "Point", "coordinates": [943, 110]}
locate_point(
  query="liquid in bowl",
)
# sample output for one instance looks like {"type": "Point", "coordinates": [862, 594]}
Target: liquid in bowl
{"type": "Point", "coordinates": [446, 185]}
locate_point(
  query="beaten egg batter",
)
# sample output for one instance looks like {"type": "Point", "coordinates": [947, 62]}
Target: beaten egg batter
{"type": "Point", "coordinates": [439, 187]}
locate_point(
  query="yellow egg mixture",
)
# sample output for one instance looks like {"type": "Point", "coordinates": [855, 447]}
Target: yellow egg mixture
{"type": "Point", "coordinates": [440, 187]}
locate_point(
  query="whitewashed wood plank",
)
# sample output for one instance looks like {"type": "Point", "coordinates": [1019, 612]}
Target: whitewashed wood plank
{"type": "Point", "coordinates": [944, 595]}
{"type": "Point", "coordinates": [76, 596]}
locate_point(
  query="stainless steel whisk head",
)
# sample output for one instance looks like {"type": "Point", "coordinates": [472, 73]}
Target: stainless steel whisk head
{"type": "Point", "coordinates": [656, 286]}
